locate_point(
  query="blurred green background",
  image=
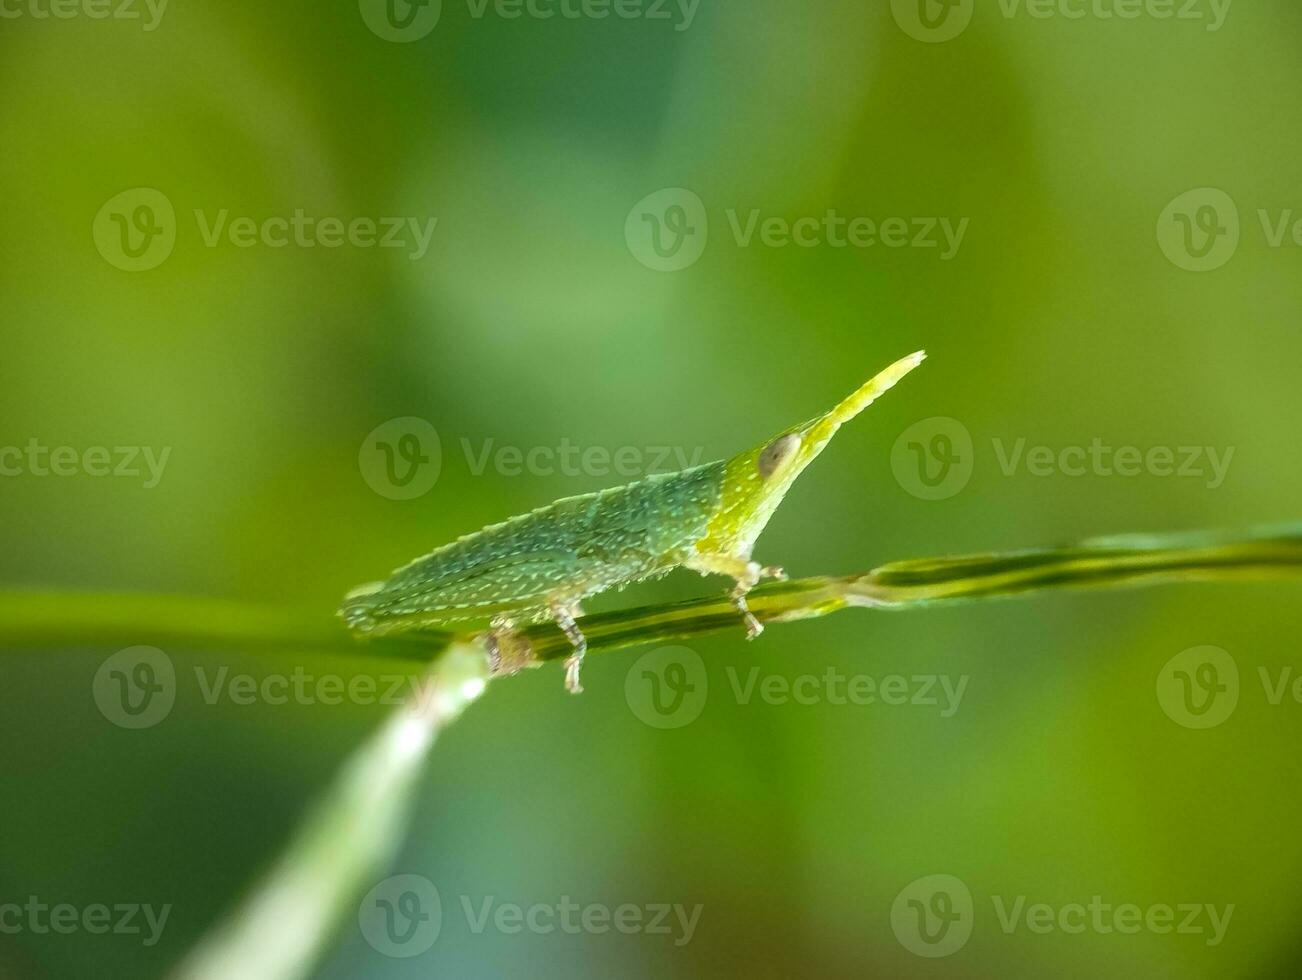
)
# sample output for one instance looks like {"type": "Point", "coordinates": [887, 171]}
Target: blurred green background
{"type": "Point", "coordinates": [1089, 298]}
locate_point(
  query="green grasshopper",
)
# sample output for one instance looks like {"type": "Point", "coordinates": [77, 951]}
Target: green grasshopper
{"type": "Point", "coordinates": [541, 565]}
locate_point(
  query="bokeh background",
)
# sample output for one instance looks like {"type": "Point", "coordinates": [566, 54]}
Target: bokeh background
{"type": "Point", "coordinates": [1090, 298]}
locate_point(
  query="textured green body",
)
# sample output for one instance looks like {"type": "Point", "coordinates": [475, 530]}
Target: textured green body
{"type": "Point", "coordinates": [561, 553]}
{"type": "Point", "coordinates": [541, 565]}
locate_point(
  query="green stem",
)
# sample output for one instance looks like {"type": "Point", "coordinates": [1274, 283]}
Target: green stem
{"type": "Point", "coordinates": [283, 923]}
{"type": "Point", "coordinates": [37, 619]}
{"type": "Point", "coordinates": [347, 837]}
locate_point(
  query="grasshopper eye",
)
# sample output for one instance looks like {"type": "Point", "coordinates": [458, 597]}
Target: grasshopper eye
{"type": "Point", "coordinates": [776, 453]}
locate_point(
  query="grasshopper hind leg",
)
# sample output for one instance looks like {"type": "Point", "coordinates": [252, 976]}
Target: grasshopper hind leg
{"type": "Point", "coordinates": [508, 651]}
{"type": "Point", "coordinates": [564, 614]}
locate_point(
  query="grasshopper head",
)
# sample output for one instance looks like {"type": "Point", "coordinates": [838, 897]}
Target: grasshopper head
{"type": "Point", "coordinates": [756, 481]}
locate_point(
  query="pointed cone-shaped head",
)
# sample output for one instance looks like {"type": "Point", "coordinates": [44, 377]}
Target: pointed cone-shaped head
{"type": "Point", "coordinates": [757, 480]}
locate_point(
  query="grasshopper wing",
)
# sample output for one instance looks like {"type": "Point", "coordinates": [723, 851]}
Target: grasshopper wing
{"type": "Point", "coordinates": [429, 593]}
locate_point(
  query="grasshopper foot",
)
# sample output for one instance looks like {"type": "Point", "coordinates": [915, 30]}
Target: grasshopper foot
{"type": "Point", "coordinates": [753, 626]}
{"type": "Point", "coordinates": [564, 615]}
{"type": "Point", "coordinates": [746, 574]}
{"type": "Point", "coordinates": [573, 664]}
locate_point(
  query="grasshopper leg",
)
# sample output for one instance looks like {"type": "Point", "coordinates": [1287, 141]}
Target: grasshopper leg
{"type": "Point", "coordinates": [564, 614]}
{"type": "Point", "coordinates": [746, 574]}
{"type": "Point", "coordinates": [753, 626]}
{"type": "Point", "coordinates": [507, 650]}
